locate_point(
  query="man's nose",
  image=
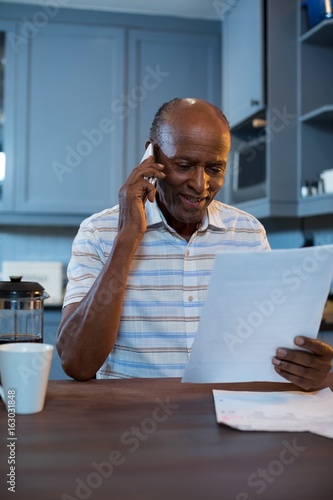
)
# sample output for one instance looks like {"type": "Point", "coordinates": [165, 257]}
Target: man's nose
{"type": "Point", "coordinates": [199, 179]}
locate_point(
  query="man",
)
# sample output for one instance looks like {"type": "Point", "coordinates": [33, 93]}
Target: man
{"type": "Point", "coordinates": [139, 272]}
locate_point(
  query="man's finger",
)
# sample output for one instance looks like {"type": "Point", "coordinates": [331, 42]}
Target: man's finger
{"type": "Point", "coordinates": [316, 346]}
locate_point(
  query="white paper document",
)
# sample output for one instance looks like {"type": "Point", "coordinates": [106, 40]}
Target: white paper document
{"type": "Point", "coordinates": [257, 302]}
{"type": "Point", "coordinates": [276, 411]}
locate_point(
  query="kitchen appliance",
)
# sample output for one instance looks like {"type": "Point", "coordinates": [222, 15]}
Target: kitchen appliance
{"type": "Point", "coordinates": [249, 172]}
{"type": "Point", "coordinates": [21, 310]}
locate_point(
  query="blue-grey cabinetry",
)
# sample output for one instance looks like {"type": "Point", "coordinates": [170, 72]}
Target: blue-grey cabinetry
{"type": "Point", "coordinates": [243, 60]}
{"type": "Point", "coordinates": [315, 138]}
{"type": "Point", "coordinates": [69, 144]}
{"type": "Point", "coordinates": [262, 168]}
{"type": "Point", "coordinates": [163, 65]}
{"type": "Point", "coordinates": [295, 132]}
{"type": "Point", "coordinates": [7, 105]}
{"type": "Point", "coordinates": [86, 89]}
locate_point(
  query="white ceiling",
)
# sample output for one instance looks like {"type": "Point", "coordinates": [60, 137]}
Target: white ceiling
{"type": "Point", "coordinates": [198, 9]}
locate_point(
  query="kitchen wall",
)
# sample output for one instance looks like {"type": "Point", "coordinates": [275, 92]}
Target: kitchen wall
{"type": "Point", "coordinates": [36, 244]}
{"type": "Point", "coordinates": [22, 243]}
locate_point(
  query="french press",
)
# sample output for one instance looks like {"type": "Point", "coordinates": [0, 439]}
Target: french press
{"type": "Point", "coordinates": [21, 310]}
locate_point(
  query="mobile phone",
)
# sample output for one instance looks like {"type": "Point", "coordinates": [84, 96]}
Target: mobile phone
{"type": "Point", "coordinates": [149, 152]}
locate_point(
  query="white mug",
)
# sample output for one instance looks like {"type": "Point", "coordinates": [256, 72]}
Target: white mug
{"type": "Point", "coordinates": [24, 372]}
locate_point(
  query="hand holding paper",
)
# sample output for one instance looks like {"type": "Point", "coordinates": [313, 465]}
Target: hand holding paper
{"type": "Point", "coordinates": [256, 303]}
{"type": "Point", "coordinates": [306, 371]}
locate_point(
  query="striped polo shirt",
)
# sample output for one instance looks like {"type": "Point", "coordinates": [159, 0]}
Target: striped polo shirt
{"type": "Point", "coordinates": [166, 286]}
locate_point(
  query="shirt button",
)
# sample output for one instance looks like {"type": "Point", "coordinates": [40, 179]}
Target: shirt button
{"type": "Point", "coordinates": [187, 253]}
{"type": "Point", "coordinates": [190, 298]}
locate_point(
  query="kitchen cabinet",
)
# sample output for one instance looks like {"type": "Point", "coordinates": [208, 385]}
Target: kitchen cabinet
{"type": "Point", "coordinates": [296, 134]}
{"type": "Point", "coordinates": [315, 138]}
{"type": "Point", "coordinates": [7, 106]}
{"type": "Point", "coordinates": [69, 153]}
{"type": "Point", "coordinates": [86, 88]}
{"type": "Point", "coordinates": [243, 60]}
{"type": "Point", "coordinates": [185, 65]}
{"type": "Point", "coordinates": [269, 136]}
{"type": "Point", "coordinates": [62, 142]}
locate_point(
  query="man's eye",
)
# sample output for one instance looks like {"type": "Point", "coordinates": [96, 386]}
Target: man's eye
{"type": "Point", "coordinates": [183, 166]}
{"type": "Point", "coordinates": [216, 169]}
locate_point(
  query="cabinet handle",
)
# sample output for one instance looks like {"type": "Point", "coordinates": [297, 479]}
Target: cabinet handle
{"type": "Point", "coordinates": [254, 102]}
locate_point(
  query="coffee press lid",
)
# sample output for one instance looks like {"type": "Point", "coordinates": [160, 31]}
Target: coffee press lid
{"type": "Point", "coordinates": [16, 288]}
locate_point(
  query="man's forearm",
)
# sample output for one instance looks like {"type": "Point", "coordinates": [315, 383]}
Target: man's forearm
{"type": "Point", "coordinates": [88, 329]}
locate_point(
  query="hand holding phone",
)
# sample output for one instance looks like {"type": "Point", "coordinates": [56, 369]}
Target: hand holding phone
{"type": "Point", "coordinates": [137, 189]}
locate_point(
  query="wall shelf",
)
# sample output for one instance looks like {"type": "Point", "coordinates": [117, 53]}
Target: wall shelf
{"type": "Point", "coordinates": [315, 112]}
{"type": "Point", "coordinates": [321, 33]}
{"type": "Point", "coordinates": [315, 205]}
{"type": "Point", "coordinates": [322, 114]}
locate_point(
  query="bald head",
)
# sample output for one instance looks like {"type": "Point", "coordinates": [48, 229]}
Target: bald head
{"type": "Point", "coordinates": [179, 108]}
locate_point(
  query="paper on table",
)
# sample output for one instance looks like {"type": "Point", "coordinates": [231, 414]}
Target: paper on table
{"type": "Point", "coordinates": [276, 411]}
{"type": "Point", "coordinates": [257, 302]}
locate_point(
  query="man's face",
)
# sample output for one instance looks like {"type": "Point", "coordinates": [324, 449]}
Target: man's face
{"type": "Point", "coordinates": [194, 149]}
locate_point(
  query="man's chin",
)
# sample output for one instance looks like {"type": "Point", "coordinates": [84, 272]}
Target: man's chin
{"type": "Point", "coordinates": [191, 219]}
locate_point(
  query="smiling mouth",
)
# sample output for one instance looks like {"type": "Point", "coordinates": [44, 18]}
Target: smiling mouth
{"type": "Point", "coordinates": [193, 200]}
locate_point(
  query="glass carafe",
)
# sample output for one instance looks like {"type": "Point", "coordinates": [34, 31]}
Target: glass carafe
{"type": "Point", "coordinates": [21, 311]}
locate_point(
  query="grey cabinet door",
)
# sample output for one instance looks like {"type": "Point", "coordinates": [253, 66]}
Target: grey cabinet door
{"type": "Point", "coordinates": [243, 60]}
{"type": "Point", "coordinates": [164, 65]}
{"type": "Point", "coordinates": [7, 114]}
{"type": "Point", "coordinates": [69, 154]}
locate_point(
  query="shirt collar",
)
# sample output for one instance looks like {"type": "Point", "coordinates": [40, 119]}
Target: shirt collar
{"type": "Point", "coordinates": [214, 217]}
{"type": "Point", "coordinates": [154, 214]}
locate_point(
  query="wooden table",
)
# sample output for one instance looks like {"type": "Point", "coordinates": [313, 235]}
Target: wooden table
{"type": "Point", "coordinates": [156, 439]}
